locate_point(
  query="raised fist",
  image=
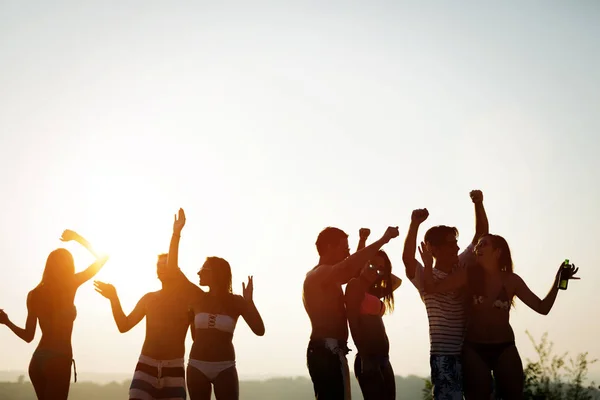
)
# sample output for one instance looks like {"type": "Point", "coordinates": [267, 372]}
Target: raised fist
{"type": "Point", "coordinates": [476, 196]}
{"type": "Point", "coordinates": [419, 215]}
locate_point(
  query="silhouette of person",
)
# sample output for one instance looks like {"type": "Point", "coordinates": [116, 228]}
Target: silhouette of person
{"type": "Point", "coordinates": [489, 346]}
{"type": "Point", "coordinates": [160, 371]}
{"type": "Point", "coordinates": [445, 311]}
{"type": "Point", "coordinates": [52, 304]}
{"type": "Point", "coordinates": [323, 300]}
{"type": "Point", "coordinates": [215, 314]}
{"type": "Point", "coordinates": [365, 310]}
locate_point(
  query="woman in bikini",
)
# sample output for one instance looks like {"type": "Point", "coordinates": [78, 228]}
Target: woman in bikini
{"type": "Point", "coordinates": [490, 341]}
{"type": "Point", "coordinates": [215, 314]}
{"type": "Point", "coordinates": [368, 297]}
{"type": "Point", "coordinates": [52, 304]}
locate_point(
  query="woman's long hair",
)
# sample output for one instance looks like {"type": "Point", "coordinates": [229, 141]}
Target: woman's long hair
{"type": "Point", "coordinates": [382, 287]}
{"type": "Point", "coordinates": [221, 272]}
{"type": "Point", "coordinates": [59, 269]}
{"type": "Point", "coordinates": [505, 264]}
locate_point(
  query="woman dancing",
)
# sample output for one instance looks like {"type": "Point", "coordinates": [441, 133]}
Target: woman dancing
{"type": "Point", "coordinates": [52, 304]}
{"type": "Point", "coordinates": [212, 358]}
{"type": "Point", "coordinates": [368, 297]}
{"type": "Point", "coordinates": [490, 341]}
{"type": "Point", "coordinates": [214, 315]}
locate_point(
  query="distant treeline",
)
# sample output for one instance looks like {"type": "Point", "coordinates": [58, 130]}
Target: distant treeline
{"type": "Point", "coordinates": [409, 388]}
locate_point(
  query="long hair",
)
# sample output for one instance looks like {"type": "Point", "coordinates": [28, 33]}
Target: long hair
{"type": "Point", "coordinates": [505, 264]}
{"type": "Point", "coordinates": [59, 269]}
{"type": "Point", "coordinates": [383, 285]}
{"type": "Point", "coordinates": [221, 272]}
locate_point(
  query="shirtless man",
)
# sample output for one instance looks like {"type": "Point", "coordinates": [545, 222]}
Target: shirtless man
{"type": "Point", "coordinates": [324, 303]}
{"type": "Point", "coordinates": [160, 372]}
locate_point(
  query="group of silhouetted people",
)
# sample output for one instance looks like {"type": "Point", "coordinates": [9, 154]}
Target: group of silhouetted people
{"type": "Point", "coordinates": [468, 297]}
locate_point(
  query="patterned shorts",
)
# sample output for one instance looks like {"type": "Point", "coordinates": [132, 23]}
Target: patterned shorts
{"type": "Point", "coordinates": [446, 377]}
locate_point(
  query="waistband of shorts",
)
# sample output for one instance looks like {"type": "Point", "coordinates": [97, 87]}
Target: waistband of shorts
{"type": "Point", "coordinates": [178, 362]}
{"type": "Point", "coordinates": [331, 344]}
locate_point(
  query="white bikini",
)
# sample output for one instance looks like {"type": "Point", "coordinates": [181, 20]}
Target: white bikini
{"type": "Point", "coordinates": [223, 323]}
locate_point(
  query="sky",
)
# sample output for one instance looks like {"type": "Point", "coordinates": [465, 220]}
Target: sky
{"type": "Point", "coordinates": [267, 122]}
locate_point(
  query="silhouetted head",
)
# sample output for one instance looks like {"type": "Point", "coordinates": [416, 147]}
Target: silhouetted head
{"type": "Point", "coordinates": [379, 273]}
{"type": "Point", "coordinates": [493, 253]}
{"type": "Point", "coordinates": [216, 274]}
{"type": "Point", "coordinates": [443, 243]}
{"type": "Point", "coordinates": [59, 269]}
{"type": "Point", "coordinates": [332, 245]}
{"type": "Point", "coordinates": [162, 272]}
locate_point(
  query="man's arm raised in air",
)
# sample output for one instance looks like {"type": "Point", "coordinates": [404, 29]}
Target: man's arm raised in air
{"type": "Point", "coordinates": [173, 258]}
{"type": "Point", "coordinates": [410, 243]}
{"type": "Point", "coordinates": [482, 226]}
{"type": "Point", "coordinates": [345, 270]}
{"type": "Point", "coordinates": [124, 322]}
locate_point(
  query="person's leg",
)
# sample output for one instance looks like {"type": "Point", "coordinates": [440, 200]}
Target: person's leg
{"type": "Point", "coordinates": [38, 380]}
{"type": "Point", "coordinates": [370, 380]}
{"type": "Point", "coordinates": [477, 374]}
{"type": "Point", "coordinates": [199, 386]}
{"type": "Point", "coordinates": [389, 382]}
{"type": "Point", "coordinates": [227, 385]}
{"type": "Point", "coordinates": [57, 372]}
{"type": "Point", "coordinates": [328, 374]}
{"type": "Point", "coordinates": [446, 377]}
{"type": "Point", "coordinates": [508, 373]}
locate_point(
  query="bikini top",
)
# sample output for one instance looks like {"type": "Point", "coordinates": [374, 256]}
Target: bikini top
{"type": "Point", "coordinates": [502, 301]}
{"type": "Point", "coordinates": [221, 322]}
{"type": "Point", "coordinates": [371, 305]}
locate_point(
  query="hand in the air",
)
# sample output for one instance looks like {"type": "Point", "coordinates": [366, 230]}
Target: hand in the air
{"type": "Point", "coordinates": [247, 290]}
{"type": "Point", "coordinates": [179, 221]}
{"type": "Point", "coordinates": [426, 255]}
{"type": "Point", "coordinates": [476, 196]}
{"type": "Point", "coordinates": [419, 215]}
{"type": "Point", "coordinates": [105, 289]}
{"type": "Point", "coordinates": [364, 233]}
{"type": "Point", "coordinates": [69, 235]}
{"type": "Point", "coordinates": [390, 233]}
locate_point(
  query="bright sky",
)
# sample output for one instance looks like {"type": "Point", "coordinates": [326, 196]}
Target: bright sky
{"type": "Point", "coordinates": [270, 121]}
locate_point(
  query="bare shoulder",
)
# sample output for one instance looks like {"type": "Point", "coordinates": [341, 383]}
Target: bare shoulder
{"type": "Point", "coordinates": [315, 275]}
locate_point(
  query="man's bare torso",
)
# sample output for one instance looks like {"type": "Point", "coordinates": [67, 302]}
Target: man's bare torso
{"type": "Point", "coordinates": [324, 304]}
{"type": "Point", "coordinates": [167, 323]}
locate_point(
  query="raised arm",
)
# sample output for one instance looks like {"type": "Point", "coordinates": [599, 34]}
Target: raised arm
{"type": "Point", "coordinates": [95, 267]}
{"type": "Point", "coordinates": [363, 235]}
{"type": "Point", "coordinates": [543, 307]}
{"type": "Point", "coordinates": [249, 311]}
{"type": "Point", "coordinates": [410, 243]}
{"type": "Point", "coordinates": [124, 322]}
{"type": "Point", "coordinates": [481, 221]}
{"type": "Point", "coordinates": [343, 271]}
{"type": "Point", "coordinates": [173, 259]}
{"type": "Point", "coordinates": [28, 333]}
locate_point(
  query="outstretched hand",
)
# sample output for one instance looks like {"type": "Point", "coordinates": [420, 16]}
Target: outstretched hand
{"type": "Point", "coordinates": [3, 317]}
{"type": "Point", "coordinates": [179, 221]}
{"type": "Point", "coordinates": [426, 255]}
{"type": "Point", "coordinates": [69, 235]}
{"type": "Point", "coordinates": [247, 290]}
{"type": "Point", "coordinates": [105, 289]}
